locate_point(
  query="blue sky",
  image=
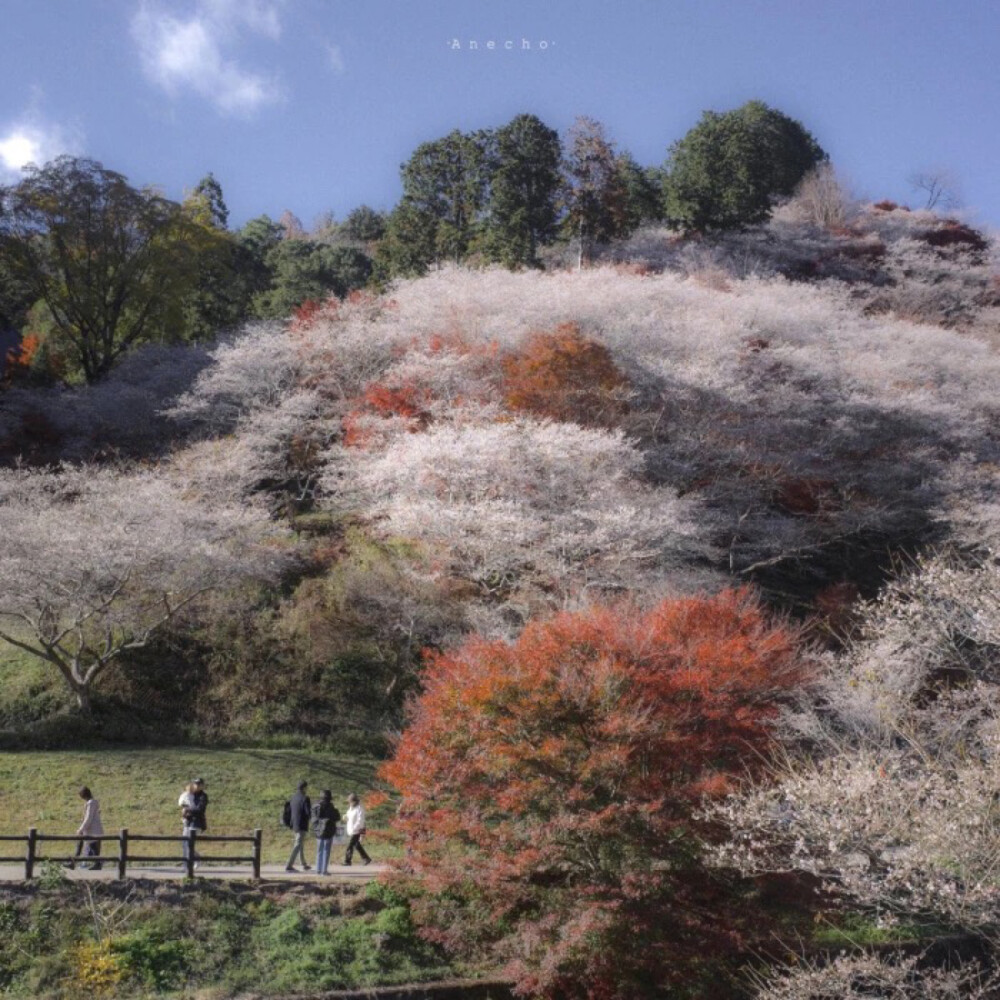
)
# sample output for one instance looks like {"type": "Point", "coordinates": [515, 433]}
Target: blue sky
{"type": "Point", "coordinates": [311, 105]}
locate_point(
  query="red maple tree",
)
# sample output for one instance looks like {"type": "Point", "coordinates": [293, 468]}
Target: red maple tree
{"type": "Point", "coordinates": [549, 788]}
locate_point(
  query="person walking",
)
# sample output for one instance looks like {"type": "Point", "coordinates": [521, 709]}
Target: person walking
{"type": "Point", "coordinates": [194, 804]}
{"type": "Point", "coordinates": [325, 817]}
{"type": "Point", "coordinates": [355, 829]}
{"type": "Point", "coordinates": [300, 813]}
{"type": "Point", "coordinates": [91, 826]}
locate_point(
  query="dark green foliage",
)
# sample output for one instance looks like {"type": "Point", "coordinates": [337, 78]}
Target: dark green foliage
{"type": "Point", "coordinates": [446, 180]}
{"type": "Point", "coordinates": [226, 939]}
{"type": "Point", "coordinates": [207, 196]}
{"type": "Point", "coordinates": [223, 289]}
{"type": "Point", "coordinates": [409, 246]}
{"type": "Point", "coordinates": [303, 270]}
{"type": "Point", "coordinates": [364, 224]}
{"type": "Point", "coordinates": [226, 278]}
{"type": "Point", "coordinates": [727, 170]}
{"type": "Point", "coordinates": [643, 191]}
{"type": "Point", "coordinates": [524, 188]}
{"type": "Point", "coordinates": [494, 193]}
{"type": "Point", "coordinates": [156, 956]}
{"type": "Point", "coordinates": [15, 299]}
{"type": "Point", "coordinates": [255, 241]}
{"type": "Point", "coordinates": [259, 236]}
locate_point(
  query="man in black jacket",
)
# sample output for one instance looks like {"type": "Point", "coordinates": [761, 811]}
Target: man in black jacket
{"type": "Point", "coordinates": [299, 822]}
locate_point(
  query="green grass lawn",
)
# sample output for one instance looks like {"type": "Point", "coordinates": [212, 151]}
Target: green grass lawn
{"type": "Point", "coordinates": [138, 789]}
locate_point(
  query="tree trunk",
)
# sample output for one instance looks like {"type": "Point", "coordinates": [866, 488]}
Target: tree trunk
{"type": "Point", "coordinates": [82, 692]}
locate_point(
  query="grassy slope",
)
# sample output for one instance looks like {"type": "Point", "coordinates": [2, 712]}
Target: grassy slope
{"type": "Point", "coordinates": [206, 940]}
{"type": "Point", "coordinates": [29, 688]}
{"type": "Point", "coordinates": [138, 789]}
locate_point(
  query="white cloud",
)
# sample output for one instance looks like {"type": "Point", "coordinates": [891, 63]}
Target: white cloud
{"type": "Point", "coordinates": [31, 141]}
{"type": "Point", "coordinates": [335, 58]}
{"type": "Point", "coordinates": [194, 53]}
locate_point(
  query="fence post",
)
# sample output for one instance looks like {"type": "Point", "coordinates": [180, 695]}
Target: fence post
{"type": "Point", "coordinates": [122, 852]}
{"type": "Point", "coordinates": [256, 853]}
{"type": "Point", "coordinates": [29, 858]}
{"type": "Point", "coordinates": [192, 836]}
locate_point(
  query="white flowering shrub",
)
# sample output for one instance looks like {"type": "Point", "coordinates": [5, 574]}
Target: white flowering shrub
{"type": "Point", "coordinates": [873, 977]}
{"type": "Point", "coordinates": [248, 373]}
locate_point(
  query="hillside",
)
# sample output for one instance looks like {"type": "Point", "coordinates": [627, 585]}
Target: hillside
{"type": "Point", "coordinates": [710, 502]}
{"type": "Point", "coordinates": [791, 407]}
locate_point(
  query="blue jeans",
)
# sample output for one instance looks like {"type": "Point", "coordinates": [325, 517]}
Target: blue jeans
{"type": "Point", "coordinates": [188, 830]}
{"type": "Point", "coordinates": [323, 854]}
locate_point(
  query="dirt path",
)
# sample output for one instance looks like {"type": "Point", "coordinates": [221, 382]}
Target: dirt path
{"type": "Point", "coordinates": [268, 873]}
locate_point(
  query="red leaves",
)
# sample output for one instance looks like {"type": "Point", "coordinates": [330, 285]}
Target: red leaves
{"type": "Point", "coordinates": [565, 376]}
{"type": "Point", "coordinates": [952, 233]}
{"type": "Point", "coordinates": [554, 778]}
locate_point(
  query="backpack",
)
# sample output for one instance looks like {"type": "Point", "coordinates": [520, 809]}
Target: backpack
{"type": "Point", "coordinates": [286, 814]}
{"type": "Point", "coordinates": [318, 821]}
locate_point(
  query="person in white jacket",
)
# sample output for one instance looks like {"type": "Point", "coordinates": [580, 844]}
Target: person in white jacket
{"type": "Point", "coordinates": [90, 827]}
{"type": "Point", "coordinates": [354, 827]}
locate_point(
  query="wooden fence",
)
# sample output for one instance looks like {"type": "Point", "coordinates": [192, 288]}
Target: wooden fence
{"type": "Point", "coordinates": [31, 858]}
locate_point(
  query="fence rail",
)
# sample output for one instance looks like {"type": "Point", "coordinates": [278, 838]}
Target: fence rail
{"type": "Point", "coordinates": [32, 858]}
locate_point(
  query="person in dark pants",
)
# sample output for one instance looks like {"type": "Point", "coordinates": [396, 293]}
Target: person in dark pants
{"type": "Point", "coordinates": [301, 810]}
{"type": "Point", "coordinates": [90, 826]}
{"type": "Point", "coordinates": [194, 805]}
{"type": "Point", "coordinates": [325, 817]}
{"type": "Point", "coordinates": [355, 824]}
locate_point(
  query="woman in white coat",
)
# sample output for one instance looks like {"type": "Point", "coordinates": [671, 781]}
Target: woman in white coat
{"type": "Point", "coordinates": [354, 823]}
{"type": "Point", "coordinates": [91, 826]}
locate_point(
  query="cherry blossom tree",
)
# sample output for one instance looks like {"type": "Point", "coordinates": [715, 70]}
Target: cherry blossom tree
{"type": "Point", "coordinates": [892, 797]}
{"type": "Point", "coordinates": [557, 503]}
{"type": "Point", "coordinates": [95, 562]}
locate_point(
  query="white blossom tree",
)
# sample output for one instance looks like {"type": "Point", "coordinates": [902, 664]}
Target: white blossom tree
{"type": "Point", "coordinates": [894, 799]}
{"type": "Point", "coordinates": [503, 501]}
{"type": "Point", "coordinates": [96, 562]}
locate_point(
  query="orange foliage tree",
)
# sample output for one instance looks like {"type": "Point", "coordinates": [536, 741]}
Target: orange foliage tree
{"type": "Point", "coordinates": [549, 789]}
{"type": "Point", "coordinates": [20, 358]}
{"type": "Point", "coordinates": [565, 376]}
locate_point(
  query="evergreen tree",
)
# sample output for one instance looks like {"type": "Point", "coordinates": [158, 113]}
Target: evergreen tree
{"type": "Point", "coordinates": [643, 191]}
{"type": "Point", "coordinates": [365, 225]}
{"type": "Point", "coordinates": [306, 271]}
{"type": "Point", "coordinates": [207, 200]}
{"type": "Point", "coordinates": [409, 246]}
{"type": "Point", "coordinates": [446, 180]}
{"type": "Point", "coordinates": [524, 188]}
{"type": "Point", "coordinates": [220, 298]}
{"type": "Point", "coordinates": [255, 241]}
{"type": "Point", "coordinates": [727, 170]}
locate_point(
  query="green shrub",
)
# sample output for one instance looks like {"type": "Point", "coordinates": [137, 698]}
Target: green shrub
{"type": "Point", "coordinates": [152, 960]}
